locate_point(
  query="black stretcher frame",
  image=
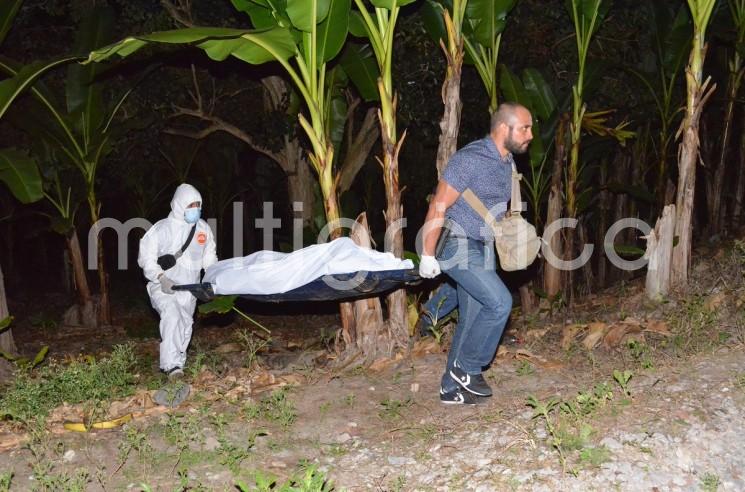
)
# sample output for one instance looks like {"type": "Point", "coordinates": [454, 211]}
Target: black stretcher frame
{"type": "Point", "coordinates": [325, 288]}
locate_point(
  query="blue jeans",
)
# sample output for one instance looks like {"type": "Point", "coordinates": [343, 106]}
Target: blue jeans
{"type": "Point", "coordinates": [444, 300]}
{"type": "Point", "coordinates": [484, 302]}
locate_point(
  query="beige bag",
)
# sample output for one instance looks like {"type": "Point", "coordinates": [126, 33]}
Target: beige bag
{"type": "Point", "coordinates": [515, 239]}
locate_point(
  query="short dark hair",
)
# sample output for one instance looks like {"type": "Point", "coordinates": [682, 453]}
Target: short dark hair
{"type": "Point", "coordinates": [505, 113]}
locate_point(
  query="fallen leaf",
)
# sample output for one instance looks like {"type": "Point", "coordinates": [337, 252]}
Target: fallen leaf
{"type": "Point", "coordinates": [658, 326]}
{"type": "Point", "coordinates": [523, 354]}
{"type": "Point", "coordinates": [617, 332]}
{"type": "Point", "coordinates": [262, 379]}
{"type": "Point", "coordinates": [568, 333]}
{"type": "Point", "coordinates": [595, 332]}
{"type": "Point", "coordinates": [426, 346]}
{"type": "Point", "coordinates": [381, 364]}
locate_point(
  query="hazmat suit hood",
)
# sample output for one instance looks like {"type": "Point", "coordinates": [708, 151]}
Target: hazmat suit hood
{"type": "Point", "coordinates": [184, 195]}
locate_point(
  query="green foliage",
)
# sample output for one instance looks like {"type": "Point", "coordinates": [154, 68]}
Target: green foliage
{"type": "Point", "coordinates": [640, 352]}
{"type": "Point", "coordinates": [135, 441]}
{"type": "Point", "coordinates": [275, 407]}
{"type": "Point", "coordinates": [623, 378]}
{"type": "Point", "coordinates": [595, 456]}
{"type": "Point", "coordinates": [358, 61]}
{"type": "Point", "coordinates": [46, 481]}
{"type": "Point", "coordinates": [525, 368]}
{"type": "Point", "coordinates": [31, 396]}
{"type": "Point", "coordinates": [710, 482]}
{"type": "Point", "coordinates": [311, 480]}
{"type": "Point", "coordinates": [5, 480]}
{"type": "Point", "coordinates": [251, 345]}
{"type": "Point", "coordinates": [251, 46]}
{"type": "Point", "coordinates": [394, 409]}
{"type": "Point", "coordinates": [21, 175]}
{"type": "Point", "coordinates": [220, 305]}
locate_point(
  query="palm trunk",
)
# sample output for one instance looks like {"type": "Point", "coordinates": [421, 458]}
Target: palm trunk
{"type": "Point", "coordinates": [737, 211]}
{"type": "Point", "coordinates": [86, 314]}
{"type": "Point", "coordinates": [7, 344]}
{"type": "Point", "coordinates": [450, 122]}
{"type": "Point", "coordinates": [369, 326]}
{"type": "Point", "coordinates": [698, 93]}
{"type": "Point", "coordinates": [104, 303]}
{"type": "Point", "coordinates": [603, 209]}
{"type": "Point", "coordinates": [715, 188]}
{"type": "Point", "coordinates": [300, 182]}
{"type": "Point", "coordinates": [552, 276]}
{"type": "Point", "coordinates": [397, 319]}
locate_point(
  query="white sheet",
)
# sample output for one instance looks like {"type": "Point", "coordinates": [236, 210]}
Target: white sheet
{"type": "Point", "coordinates": [270, 272]}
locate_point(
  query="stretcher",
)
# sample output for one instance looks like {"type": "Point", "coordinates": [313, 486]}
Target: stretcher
{"type": "Point", "coordinates": [335, 287]}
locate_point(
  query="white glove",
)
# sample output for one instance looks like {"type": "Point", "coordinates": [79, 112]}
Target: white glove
{"type": "Point", "coordinates": [166, 284]}
{"type": "Point", "coordinates": [428, 267]}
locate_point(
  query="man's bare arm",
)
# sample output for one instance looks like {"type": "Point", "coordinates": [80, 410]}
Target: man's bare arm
{"type": "Point", "coordinates": [445, 196]}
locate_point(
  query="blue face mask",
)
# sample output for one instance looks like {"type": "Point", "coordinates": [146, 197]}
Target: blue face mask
{"type": "Point", "coordinates": [191, 215]}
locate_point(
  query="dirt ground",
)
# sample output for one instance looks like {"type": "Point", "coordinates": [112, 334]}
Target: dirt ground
{"type": "Point", "coordinates": [616, 394]}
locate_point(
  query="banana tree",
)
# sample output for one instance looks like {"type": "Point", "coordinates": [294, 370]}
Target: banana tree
{"type": "Point", "coordinates": [485, 21]}
{"type": "Point", "coordinates": [446, 20]}
{"type": "Point", "coordinates": [82, 132]}
{"type": "Point", "coordinates": [671, 31]}
{"type": "Point", "coordinates": [20, 174]}
{"type": "Point", "coordinates": [698, 92]}
{"type": "Point", "coordinates": [715, 182]}
{"type": "Point", "coordinates": [63, 222]}
{"type": "Point", "coordinates": [380, 26]}
{"type": "Point", "coordinates": [17, 170]}
{"type": "Point", "coordinates": [533, 92]}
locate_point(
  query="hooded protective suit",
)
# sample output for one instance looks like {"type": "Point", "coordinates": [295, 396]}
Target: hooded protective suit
{"type": "Point", "coordinates": [176, 310]}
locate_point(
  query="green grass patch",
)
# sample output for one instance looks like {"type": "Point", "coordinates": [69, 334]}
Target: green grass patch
{"type": "Point", "coordinates": [33, 394]}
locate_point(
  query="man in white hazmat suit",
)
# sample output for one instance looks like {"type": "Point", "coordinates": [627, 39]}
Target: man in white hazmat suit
{"type": "Point", "coordinates": [176, 308]}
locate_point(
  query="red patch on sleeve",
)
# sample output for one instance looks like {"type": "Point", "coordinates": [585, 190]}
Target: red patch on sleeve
{"type": "Point", "coordinates": [201, 238]}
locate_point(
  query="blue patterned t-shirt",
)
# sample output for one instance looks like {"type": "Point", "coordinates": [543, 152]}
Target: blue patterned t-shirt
{"type": "Point", "coordinates": [480, 167]}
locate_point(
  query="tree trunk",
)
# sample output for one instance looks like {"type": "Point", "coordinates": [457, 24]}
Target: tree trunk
{"type": "Point", "coordinates": [584, 238]}
{"type": "Point", "coordinates": [300, 180]}
{"type": "Point", "coordinates": [7, 344]}
{"type": "Point", "coordinates": [552, 276]}
{"type": "Point", "coordinates": [715, 188]}
{"type": "Point", "coordinates": [528, 301]}
{"type": "Point", "coordinates": [697, 95]}
{"type": "Point", "coordinates": [737, 211]}
{"type": "Point", "coordinates": [84, 313]}
{"type": "Point", "coordinates": [659, 254]}
{"type": "Point", "coordinates": [603, 210]}
{"type": "Point", "coordinates": [397, 319]}
{"type": "Point", "coordinates": [450, 122]}
{"type": "Point", "coordinates": [104, 306]}
{"type": "Point", "coordinates": [369, 335]}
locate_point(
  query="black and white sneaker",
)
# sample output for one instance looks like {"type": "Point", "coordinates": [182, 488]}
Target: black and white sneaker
{"type": "Point", "coordinates": [473, 383]}
{"type": "Point", "coordinates": [458, 397]}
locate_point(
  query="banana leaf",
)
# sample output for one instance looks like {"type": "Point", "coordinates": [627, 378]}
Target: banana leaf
{"type": "Point", "coordinates": [20, 173]}
{"type": "Point", "coordinates": [255, 47]}
{"type": "Point", "coordinates": [8, 11]}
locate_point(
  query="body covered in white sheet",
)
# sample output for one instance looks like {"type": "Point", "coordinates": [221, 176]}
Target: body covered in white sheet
{"type": "Point", "coordinates": [270, 272]}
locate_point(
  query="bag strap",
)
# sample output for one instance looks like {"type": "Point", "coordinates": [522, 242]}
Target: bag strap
{"type": "Point", "coordinates": [515, 200]}
{"type": "Point", "coordinates": [476, 204]}
{"type": "Point", "coordinates": [186, 244]}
